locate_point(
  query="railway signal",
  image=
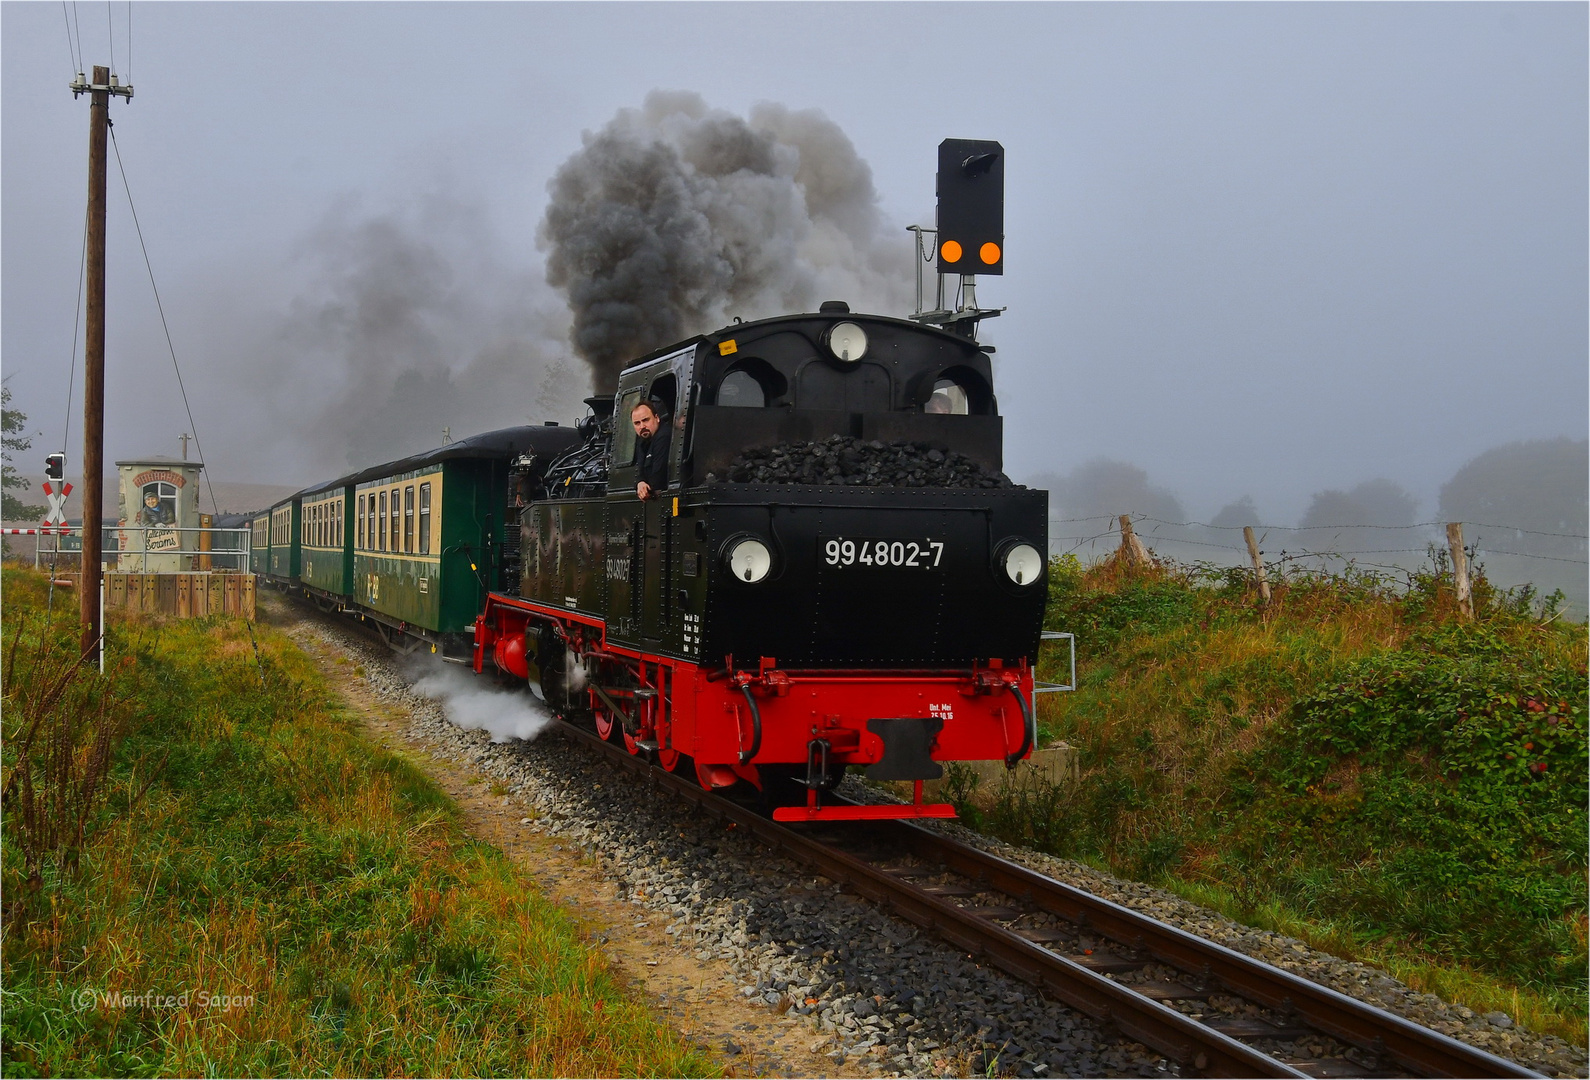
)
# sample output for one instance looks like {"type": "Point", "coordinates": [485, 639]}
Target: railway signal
{"type": "Point", "coordinates": [971, 191]}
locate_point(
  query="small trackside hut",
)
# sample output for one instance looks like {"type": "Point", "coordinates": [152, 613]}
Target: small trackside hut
{"type": "Point", "coordinates": [794, 600]}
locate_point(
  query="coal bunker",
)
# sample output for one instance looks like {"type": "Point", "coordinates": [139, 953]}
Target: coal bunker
{"type": "Point", "coordinates": [842, 459]}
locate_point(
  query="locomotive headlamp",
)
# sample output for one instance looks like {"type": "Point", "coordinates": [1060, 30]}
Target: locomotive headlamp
{"type": "Point", "coordinates": [1023, 565]}
{"type": "Point", "coordinates": [847, 341]}
{"type": "Point", "coordinates": [748, 559]}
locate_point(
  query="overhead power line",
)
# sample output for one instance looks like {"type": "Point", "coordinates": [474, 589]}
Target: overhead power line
{"type": "Point", "coordinates": [194, 427]}
{"type": "Point", "coordinates": [65, 15]}
{"type": "Point", "coordinates": [77, 319]}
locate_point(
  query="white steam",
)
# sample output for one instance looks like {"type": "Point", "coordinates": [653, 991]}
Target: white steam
{"type": "Point", "coordinates": [674, 217]}
{"type": "Point", "coordinates": [471, 702]}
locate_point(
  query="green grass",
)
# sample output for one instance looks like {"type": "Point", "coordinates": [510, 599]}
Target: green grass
{"type": "Point", "coordinates": [319, 890]}
{"type": "Point", "coordinates": [1355, 763]}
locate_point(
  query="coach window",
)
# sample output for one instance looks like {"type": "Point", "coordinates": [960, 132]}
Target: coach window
{"type": "Point", "coordinates": [380, 524]}
{"type": "Point", "coordinates": [425, 519]}
{"type": "Point", "coordinates": [358, 521]}
{"type": "Point", "coordinates": [408, 519]}
{"type": "Point", "coordinates": [395, 521]}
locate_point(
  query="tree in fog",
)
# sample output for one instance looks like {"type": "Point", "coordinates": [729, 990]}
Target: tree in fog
{"type": "Point", "coordinates": [1104, 488]}
{"type": "Point", "coordinates": [1540, 484]}
{"type": "Point", "coordinates": [1525, 508]}
{"type": "Point", "coordinates": [1374, 502]}
{"type": "Point", "coordinates": [16, 439]}
{"type": "Point", "coordinates": [1236, 515]}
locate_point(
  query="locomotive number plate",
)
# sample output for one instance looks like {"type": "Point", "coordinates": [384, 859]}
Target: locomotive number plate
{"type": "Point", "coordinates": [872, 554]}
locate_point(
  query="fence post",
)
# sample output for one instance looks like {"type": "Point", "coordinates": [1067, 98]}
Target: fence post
{"type": "Point", "coordinates": [1132, 550]}
{"type": "Point", "coordinates": [1258, 564]}
{"type": "Point", "coordinates": [1460, 568]}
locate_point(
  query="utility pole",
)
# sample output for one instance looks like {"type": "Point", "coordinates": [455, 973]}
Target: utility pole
{"type": "Point", "coordinates": [99, 94]}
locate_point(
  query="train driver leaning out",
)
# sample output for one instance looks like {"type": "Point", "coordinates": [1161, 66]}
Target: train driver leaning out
{"type": "Point", "coordinates": [651, 449]}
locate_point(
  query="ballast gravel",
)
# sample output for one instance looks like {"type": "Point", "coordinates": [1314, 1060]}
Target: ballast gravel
{"type": "Point", "coordinates": [880, 995]}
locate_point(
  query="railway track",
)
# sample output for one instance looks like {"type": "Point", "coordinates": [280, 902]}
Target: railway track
{"type": "Point", "coordinates": [1210, 1009]}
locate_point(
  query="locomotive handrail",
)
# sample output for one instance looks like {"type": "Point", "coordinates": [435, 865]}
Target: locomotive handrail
{"type": "Point", "coordinates": [1029, 727]}
{"type": "Point", "coordinates": [1071, 640]}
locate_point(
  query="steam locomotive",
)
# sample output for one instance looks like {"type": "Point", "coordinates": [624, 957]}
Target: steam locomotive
{"type": "Point", "coordinates": [774, 633]}
{"type": "Point", "coordinates": [756, 632]}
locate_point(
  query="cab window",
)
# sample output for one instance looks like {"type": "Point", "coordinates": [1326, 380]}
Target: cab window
{"type": "Point", "coordinates": [739, 390]}
{"type": "Point", "coordinates": [624, 430]}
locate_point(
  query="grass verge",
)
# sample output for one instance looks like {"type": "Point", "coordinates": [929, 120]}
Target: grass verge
{"type": "Point", "coordinates": [263, 891]}
{"type": "Point", "coordinates": [1354, 765]}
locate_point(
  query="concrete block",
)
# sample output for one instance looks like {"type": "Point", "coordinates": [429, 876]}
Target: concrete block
{"type": "Point", "coordinates": [1051, 765]}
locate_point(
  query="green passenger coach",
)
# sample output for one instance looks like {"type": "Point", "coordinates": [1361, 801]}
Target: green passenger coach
{"type": "Point", "coordinates": [428, 531]}
{"type": "Point", "coordinates": [259, 553]}
{"type": "Point", "coordinates": [326, 537]}
{"type": "Point", "coordinates": [285, 556]}
{"type": "Point", "coordinates": [412, 546]}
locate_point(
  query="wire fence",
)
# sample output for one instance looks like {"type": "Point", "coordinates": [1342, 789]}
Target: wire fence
{"type": "Point", "coordinates": [1511, 555]}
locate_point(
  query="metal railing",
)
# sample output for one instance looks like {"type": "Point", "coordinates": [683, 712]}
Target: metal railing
{"type": "Point", "coordinates": [226, 550]}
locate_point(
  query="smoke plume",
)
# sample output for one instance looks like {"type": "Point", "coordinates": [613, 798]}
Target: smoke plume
{"type": "Point", "coordinates": [378, 330]}
{"type": "Point", "coordinates": [471, 703]}
{"type": "Point", "coordinates": [675, 217]}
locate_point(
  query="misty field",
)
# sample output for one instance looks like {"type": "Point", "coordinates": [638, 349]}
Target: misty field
{"type": "Point", "coordinates": [207, 869]}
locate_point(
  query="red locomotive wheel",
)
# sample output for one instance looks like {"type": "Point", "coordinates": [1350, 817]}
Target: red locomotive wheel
{"type": "Point", "coordinates": [607, 725]}
{"type": "Point", "coordinates": [674, 761]}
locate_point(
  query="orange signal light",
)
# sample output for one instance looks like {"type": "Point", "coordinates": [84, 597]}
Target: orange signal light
{"type": "Point", "coordinates": [951, 251]}
{"type": "Point", "coordinates": [989, 253]}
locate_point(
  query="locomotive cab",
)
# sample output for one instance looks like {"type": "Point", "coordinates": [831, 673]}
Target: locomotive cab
{"type": "Point", "coordinates": [804, 378]}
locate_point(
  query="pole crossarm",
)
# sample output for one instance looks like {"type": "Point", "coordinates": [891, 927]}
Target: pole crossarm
{"type": "Point", "coordinates": [81, 85]}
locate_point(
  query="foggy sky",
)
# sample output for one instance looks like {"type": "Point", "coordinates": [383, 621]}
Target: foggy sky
{"type": "Point", "coordinates": [1253, 250]}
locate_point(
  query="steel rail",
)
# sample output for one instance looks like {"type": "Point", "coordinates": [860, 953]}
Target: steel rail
{"type": "Point", "coordinates": [1416, 1048]}
{"type": "Point", "coordinates": [1113, 1005]}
